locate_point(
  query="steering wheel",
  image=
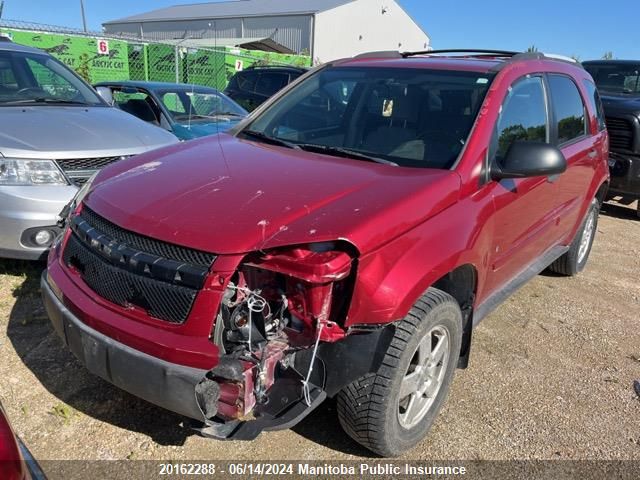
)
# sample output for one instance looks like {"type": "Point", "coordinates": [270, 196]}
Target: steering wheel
{"type": "Point", "coordinates": [444, 137]}
{"type": "Point", "coordinates": [26, 90]}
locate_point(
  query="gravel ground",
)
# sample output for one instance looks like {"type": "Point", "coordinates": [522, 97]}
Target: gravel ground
{"type": "Point", "coordinates": [551, 377]}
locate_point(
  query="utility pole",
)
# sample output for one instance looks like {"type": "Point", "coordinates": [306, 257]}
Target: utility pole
{"type": "Point", "coordinates": [84, 20]}
{"type": "Point", "coordinates": [1, 7]}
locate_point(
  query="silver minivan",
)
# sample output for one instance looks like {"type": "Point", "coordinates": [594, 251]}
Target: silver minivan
{"type": "Point", "coordinates": [55, 132]}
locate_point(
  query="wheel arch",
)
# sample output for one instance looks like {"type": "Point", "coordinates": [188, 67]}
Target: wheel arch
{"type": "Point", "coordinates": [462, 284]}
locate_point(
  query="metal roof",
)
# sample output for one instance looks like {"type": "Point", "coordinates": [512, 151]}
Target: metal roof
{"type": "Point", "coordinates": [235, 8]}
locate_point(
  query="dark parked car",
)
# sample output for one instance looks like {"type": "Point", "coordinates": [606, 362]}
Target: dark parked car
{"type": "Point", "coordinates": [619, 84]}
{"type": "Point", "coordinates": [251, 87]}
{"type": "Point", "coordinates": [188, 111]}
{"type": "Point", "coordinates": [342, 242]}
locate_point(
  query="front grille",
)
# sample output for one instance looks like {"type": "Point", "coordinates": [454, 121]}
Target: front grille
{"type": "Point", "coordinates": [127, 275]}
{"type": "Point", "coordinates": [79, 169]}
{"type": "Point", "coordinates": [620, 133]}
{"type": "Point", "coordinates": [147, 244]}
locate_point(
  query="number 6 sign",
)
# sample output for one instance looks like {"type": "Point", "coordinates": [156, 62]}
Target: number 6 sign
{"type": "Point", "coordinates": [103, 47]}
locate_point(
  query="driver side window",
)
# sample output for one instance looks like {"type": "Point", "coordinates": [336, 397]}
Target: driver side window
{"type": "Point", "coordinates": [523, 116]}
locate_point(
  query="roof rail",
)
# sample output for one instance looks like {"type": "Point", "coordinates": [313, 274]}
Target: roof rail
{"type": "Point", "coordinates": [250, 67]}
{"type": "Point", "coordinates": [494, 53]}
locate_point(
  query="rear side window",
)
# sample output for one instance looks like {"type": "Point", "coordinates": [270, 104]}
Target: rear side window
{"type": "Point", "coordinates": [270, 83]}
{"type": "Point", "coordinates": [247, 81]}
{"type": "Point", "coordinates": [523, 116]}
{"type": "Point", "coordinates": [596, 103]}
{"type": "Point", "coordinates": [568, 108]}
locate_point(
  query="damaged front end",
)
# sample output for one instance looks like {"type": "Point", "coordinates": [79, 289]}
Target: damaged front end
{"type": "Point", "coordinates": [280, 328]}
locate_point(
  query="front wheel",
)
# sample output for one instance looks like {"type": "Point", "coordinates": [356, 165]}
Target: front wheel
{"type": "Point", "coordinates": [391, 410]}
{"type": "Point", "coordinates": [575, 259]}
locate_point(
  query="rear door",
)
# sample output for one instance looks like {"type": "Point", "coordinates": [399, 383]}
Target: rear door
{"type": "Point", "coordinates": [571, 131]}
{"type": "Point", "coordinates": [523, 220]}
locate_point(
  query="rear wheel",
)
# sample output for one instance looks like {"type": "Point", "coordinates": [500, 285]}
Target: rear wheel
{"type": "Point", "coordinates": [391, 410]}
{"type": "Point", "coordinates": [575, 259]}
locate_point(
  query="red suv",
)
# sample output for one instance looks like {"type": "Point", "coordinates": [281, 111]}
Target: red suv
{"type": "Point", "coordinates": [342, 241]}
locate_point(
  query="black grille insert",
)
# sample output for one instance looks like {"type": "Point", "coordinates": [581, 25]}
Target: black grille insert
{"type": "Point", "coordinates": [71, 164]}
{"type": "Point", "coordinates": [127, 275]}
{"type": "Point", "coordinates": [147, 244]}
{"type": "Point", "coordinates": [620, 133]}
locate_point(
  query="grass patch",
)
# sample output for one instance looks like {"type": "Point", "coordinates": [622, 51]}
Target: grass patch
{"type": "Point", "coordinates": [63, 412]}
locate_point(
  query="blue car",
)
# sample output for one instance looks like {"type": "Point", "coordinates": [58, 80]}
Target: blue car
{"type": "Point", "coordinates": [189, 111]}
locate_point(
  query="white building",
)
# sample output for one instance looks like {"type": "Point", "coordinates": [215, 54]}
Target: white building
{"type": "Point", "coordinates": [324, 29]}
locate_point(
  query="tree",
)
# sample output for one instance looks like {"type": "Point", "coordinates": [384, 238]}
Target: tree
{"type": "Point", "coordinates": [576, 57]}
{"type": "Point", "coordinates": [532, 49]}
{"type": "Point", "coordinates": [607, 55]}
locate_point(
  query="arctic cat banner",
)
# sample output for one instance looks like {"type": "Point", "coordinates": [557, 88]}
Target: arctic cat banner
{"type": "Point", "coordinates": [95, 59]}
{"type": "Point", "coordinates": [100, 59]}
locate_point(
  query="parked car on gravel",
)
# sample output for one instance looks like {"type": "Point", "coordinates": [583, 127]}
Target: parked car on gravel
{"type": "Point", "coordinates": [344, 242]}
{"type": "Point", "coordinates": [55, 132]}
{"type": "Point", "coordinates": [253, 86]}
{"type": "Point", "coordinates": [187, 111]}
{"type": "Point", "coordinates": [619, 84]}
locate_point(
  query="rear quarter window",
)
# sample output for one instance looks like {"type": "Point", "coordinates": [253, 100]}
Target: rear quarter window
{"type": "Point", "coordinates": [596, 103]}
{"type": "Point", "coordinates": [270, 83]}
{"type": "Point", "coordinates": [247, 81]}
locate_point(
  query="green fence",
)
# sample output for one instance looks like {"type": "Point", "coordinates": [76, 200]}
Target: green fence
{"type": "Point", "coordinates": [97, 58]}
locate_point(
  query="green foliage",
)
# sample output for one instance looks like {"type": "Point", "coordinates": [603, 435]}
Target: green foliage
{"type": "Point", "coordinates": [532, 49]}
{"type": "Point", "coordinates": [83, 67]}
{"type": "Point", "coordinates": [514, 133]}
{"type": "Point", "coordinates": [607, 55]}
{"type": "Point", "coordinates": [62, 411]}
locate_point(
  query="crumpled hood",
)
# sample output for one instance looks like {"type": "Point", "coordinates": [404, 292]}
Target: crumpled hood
{"type": "Point", "coordinates": [76, 132]}
{"type": "Point", "coordinates": [226, 195]}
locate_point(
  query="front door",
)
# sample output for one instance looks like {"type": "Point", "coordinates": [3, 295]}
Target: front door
{"type": "Point", "coordinates": [523, 219]}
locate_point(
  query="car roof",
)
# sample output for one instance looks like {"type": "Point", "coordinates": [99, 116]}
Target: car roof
{"type": "Point", "coordinates": [275, 68]}
{"type": "Point", "coordinates": [8, 45]}
{"type": "Point", "coordinates": [155, 85]}
{"type": "Point", "coordinates": [480, 61]}
{"type": "Point", "coordinates": [611, 62]}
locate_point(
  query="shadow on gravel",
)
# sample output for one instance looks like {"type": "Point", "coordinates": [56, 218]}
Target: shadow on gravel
{"type": "Point", "coordinates": [322, 427]}
{"type": "Point", "coordinates": [61, 374]}
{"type": "Point", "coordinates": [619, 211]}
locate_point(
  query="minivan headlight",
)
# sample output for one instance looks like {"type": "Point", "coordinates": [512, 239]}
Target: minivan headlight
{"type": "Point", "coordinates": [27, 171]}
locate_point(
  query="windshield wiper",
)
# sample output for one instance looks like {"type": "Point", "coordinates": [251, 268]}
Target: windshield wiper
{"type": "Point", "coordinates": [343, 152]}
{"type": "Point", "coordinates": [45, 100]}
{"type": "Point", "coordinates": [228, 114]}
{"type": "Point", "coordinates": [267, 139]}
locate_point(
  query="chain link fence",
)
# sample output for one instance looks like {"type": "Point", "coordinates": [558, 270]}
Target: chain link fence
{"type": "Point", "coordinates": [98, 57]}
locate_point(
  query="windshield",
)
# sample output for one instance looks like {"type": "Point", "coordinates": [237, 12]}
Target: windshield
{"type": "Point", "coordinates": [31, 78]}
{"type": "Point", "coordinates": [616, 78]}
{"type": "Point", "coordinates": [410, 117]}
{"type": "Point", "coordinates": [199, 105]}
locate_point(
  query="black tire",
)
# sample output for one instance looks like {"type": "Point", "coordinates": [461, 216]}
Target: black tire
{"type": "Point", "coordinates": [572, 263]}
{"type": "Point", "coordinates": [370, 409]}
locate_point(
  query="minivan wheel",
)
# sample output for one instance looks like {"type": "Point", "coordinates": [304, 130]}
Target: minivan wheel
{"type": "Point", "coordinates": [391, 410]}
{"type": "Point", "coordinates": [575, 259]}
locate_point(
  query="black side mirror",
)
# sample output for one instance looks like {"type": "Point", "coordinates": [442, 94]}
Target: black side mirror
{"type": "Point", "coordinates": [529, 159]}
